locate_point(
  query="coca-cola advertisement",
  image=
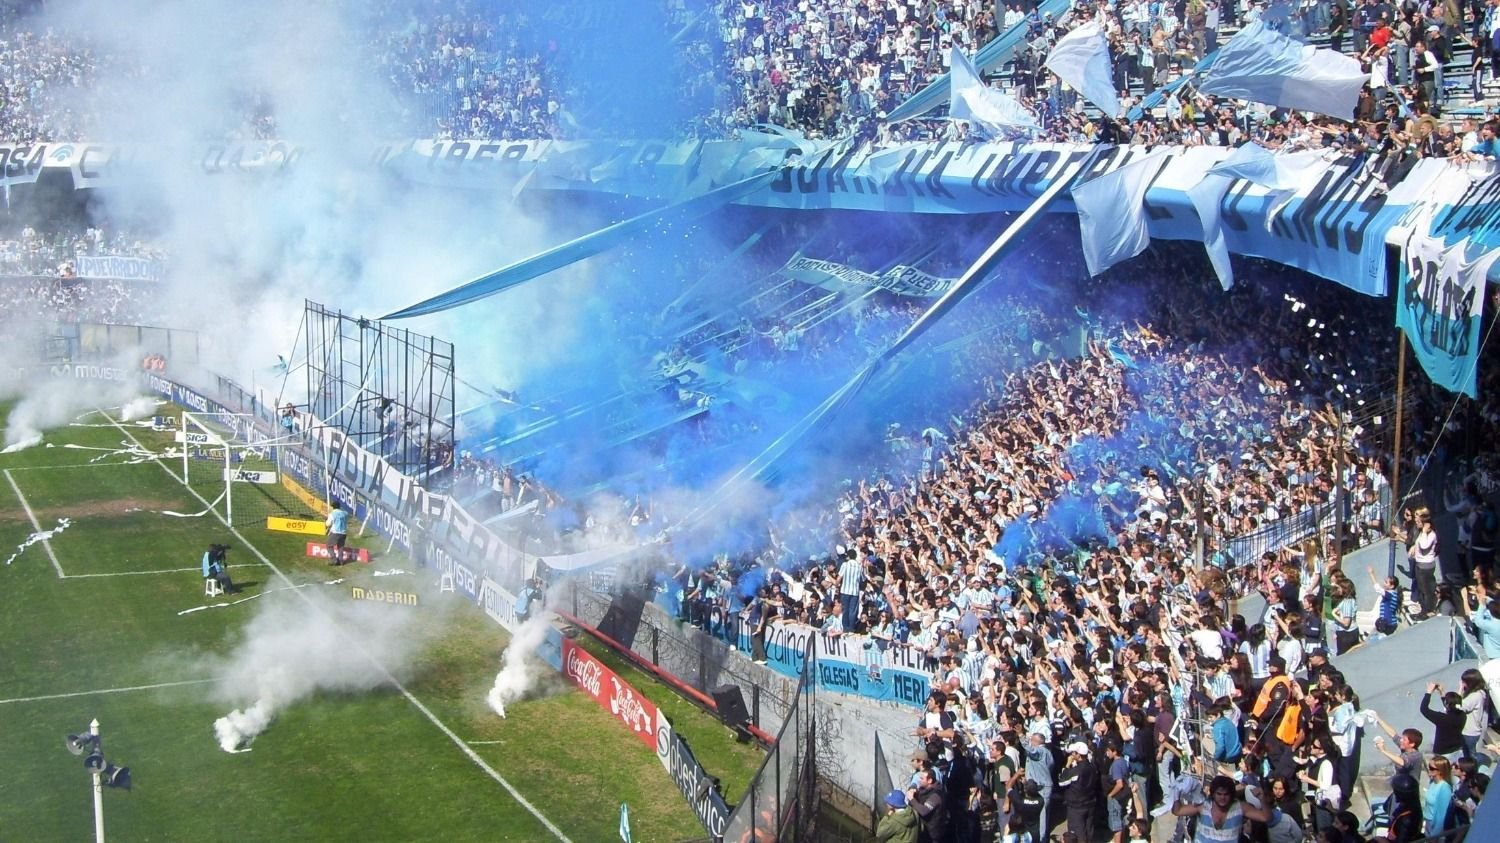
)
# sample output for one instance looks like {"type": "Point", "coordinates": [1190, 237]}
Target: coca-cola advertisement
{"type": "Point", "coordinates": [610, 691]}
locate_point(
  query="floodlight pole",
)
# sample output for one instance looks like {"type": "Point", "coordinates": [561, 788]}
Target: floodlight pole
{"type": "Point", "coordinates": [98, 789]}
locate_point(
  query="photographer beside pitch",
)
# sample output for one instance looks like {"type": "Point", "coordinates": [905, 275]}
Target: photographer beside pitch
{"type": "Point", "coordinates": [338, 532]}
{"type": "Point", "coordinates": [215, 567]}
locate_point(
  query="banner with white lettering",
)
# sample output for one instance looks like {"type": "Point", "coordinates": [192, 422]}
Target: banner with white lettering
{"type": "Point", "coordinates": [839, 278]}
{"type": "Point", "coordinates": [118, 267]}
{"type": "Point", "coordinates": [1334, 224]}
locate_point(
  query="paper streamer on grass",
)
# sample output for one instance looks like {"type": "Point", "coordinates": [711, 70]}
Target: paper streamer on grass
{"type": "Point", "coordinates": [136, 455]}
{"type": "Point", "coordinates": [44, 535]}
{"type": "Point", "coordinates": [244, 599]}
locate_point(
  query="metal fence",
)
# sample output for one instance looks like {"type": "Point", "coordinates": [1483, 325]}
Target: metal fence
{"type": "Point", "coordinates": [783, 800]}
{"type": "Point", "coordinates": [699, 660]}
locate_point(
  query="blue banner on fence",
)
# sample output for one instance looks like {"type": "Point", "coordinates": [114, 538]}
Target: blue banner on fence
{"type": "Point", "coordinates": [848, 664]}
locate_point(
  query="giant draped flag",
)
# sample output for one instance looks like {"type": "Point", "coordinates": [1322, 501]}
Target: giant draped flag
{"type": "Point", "coordinates": [1112, 212]}
{"type": "Point", "coordinates": [1439, 308]}
{"type": "Point", "coordinates": [583, 247]}
{"type": "Point", "coordinates": [1445, 258]}
{"type": "Point", "coordinates": [1081, 58]}
{"type": "Point", "coordinates": [992, 55]}
{"type": "Point", "coordinates": [1281, 174]}
{"type": "Point", "coordinates": [996, 113]}
{"type": "Point", "coordinates": [1265, 66]}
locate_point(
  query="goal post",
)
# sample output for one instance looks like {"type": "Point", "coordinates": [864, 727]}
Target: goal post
{"type": "Point", "coordinates": [239, 479]}
{"type": "Point", "coordinates": [200, 443]}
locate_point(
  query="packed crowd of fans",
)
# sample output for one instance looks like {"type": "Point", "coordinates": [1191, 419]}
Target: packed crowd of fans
{"type": "Point", "coordinates": [834, 68]}
{"type": "Point", "coordinates": [1039, 556]}
{"type": "Point", "coordinates": [55, 253]}
{"type": "Point", "coordinates": [74, 300]}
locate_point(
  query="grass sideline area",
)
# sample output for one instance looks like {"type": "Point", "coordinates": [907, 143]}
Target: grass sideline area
{"type": "Point", "coordinates": [101, 633]}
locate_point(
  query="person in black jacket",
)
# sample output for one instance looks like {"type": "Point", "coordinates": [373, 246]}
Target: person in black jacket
{"type": "Point", "coordinates": [927, 800]}
{"type": "Point", "coordinates": [1449, 722]}
{"type": "Point", "coordinates": [1079, 781]}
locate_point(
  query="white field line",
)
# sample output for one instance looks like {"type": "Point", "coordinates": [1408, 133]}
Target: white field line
{"type": "Point", "coordinates": [46, 543]}
{"type": "Point", "coordinates": [69, 465]}
{"type": "Point", "coordinates": [106, 691]}
{"type": "Point", "coordinates": [431, 718]}
{"type": "Point", "coordinates": [198, 568]}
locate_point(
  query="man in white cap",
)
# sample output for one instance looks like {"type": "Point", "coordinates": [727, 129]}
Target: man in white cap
{"type": "Point", "coordinates": [1079, 781]}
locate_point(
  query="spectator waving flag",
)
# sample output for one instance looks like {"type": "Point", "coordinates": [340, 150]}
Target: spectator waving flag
{"type": "Point", "coordinates": [1112, 212]}
{"type": "Point", "coordinates": [1081, 58]}
{"type": "Point", "coordinates": [1262, 65]}
{"type": "Point", "coordinates": [993, 112]}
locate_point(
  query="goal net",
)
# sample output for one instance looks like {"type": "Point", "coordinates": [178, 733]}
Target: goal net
{"type": "Point", "coordinates": [239, 480]}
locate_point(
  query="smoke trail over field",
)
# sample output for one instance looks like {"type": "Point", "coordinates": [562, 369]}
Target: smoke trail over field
{"type": "Point", "coordinates": [49, 400]}
{"type": "Point", "coordinates": [519, 671]}
{"type": "Point", "coordinates": [294, 648]}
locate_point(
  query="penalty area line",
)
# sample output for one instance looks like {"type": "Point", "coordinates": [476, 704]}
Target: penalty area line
{"type": "Point", "coordinates": [148, 573]}
{"type": "Point", "coordinates": [126, 689]}
{"type": "Point", "coordinates": [410, 698]}
{"type": "Point", "coordinates": [46, 543]}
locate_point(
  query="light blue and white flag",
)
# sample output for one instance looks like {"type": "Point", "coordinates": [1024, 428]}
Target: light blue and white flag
{"type": "Point", "coordinates": [1439, 306]}
{"type": "Point", "coordinates": [1279, 173]}
{"type": "Point", "coordinates": [1262, 65]}
{"type": "Point", "coordinates": [1081, 58]}
{"type": "Point", "coordinates": [624, 823]}
{"type": "Point", "coordinates": [1112, 212]}
{"type": "Point", "coordinates": [994, 112]}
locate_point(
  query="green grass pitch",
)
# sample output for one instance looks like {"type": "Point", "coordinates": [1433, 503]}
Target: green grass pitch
{"type": "Point", "coordinates": [92, 626]}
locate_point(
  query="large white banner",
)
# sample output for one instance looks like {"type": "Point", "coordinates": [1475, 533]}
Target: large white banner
{"type": "Point", "coordinates": [838, 278]}
{"type": "Point", "coordinates": [121, 267]}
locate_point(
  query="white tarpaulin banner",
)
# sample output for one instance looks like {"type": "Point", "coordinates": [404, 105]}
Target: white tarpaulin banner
{"type": "Point", "coordinates": [121, 267]}
{"type": "Point", "coordinates": [838, 278]}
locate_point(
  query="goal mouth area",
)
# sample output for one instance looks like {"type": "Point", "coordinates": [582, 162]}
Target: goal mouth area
{"type": "Point", "coordinates": [231, 463]}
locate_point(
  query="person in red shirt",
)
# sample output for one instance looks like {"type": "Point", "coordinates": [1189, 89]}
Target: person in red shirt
{"type": "Point", "coordinates": [1381, 37]}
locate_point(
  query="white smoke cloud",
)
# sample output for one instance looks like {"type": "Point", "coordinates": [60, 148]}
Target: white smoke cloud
{"type": "Point", "coordinates": [139, 408]}
{"type": "Point", "coordinates": [519, 670]}
{"type": "Point", "coordinates": [247, 248]}
{"type": "Point", "coordinates": [50, 401]}
{"type": "Point", "coordinates": [294, 647]}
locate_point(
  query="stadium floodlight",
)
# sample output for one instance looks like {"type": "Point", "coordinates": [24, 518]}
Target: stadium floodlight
{"type": "Point", "coordinates": [102, 772]}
